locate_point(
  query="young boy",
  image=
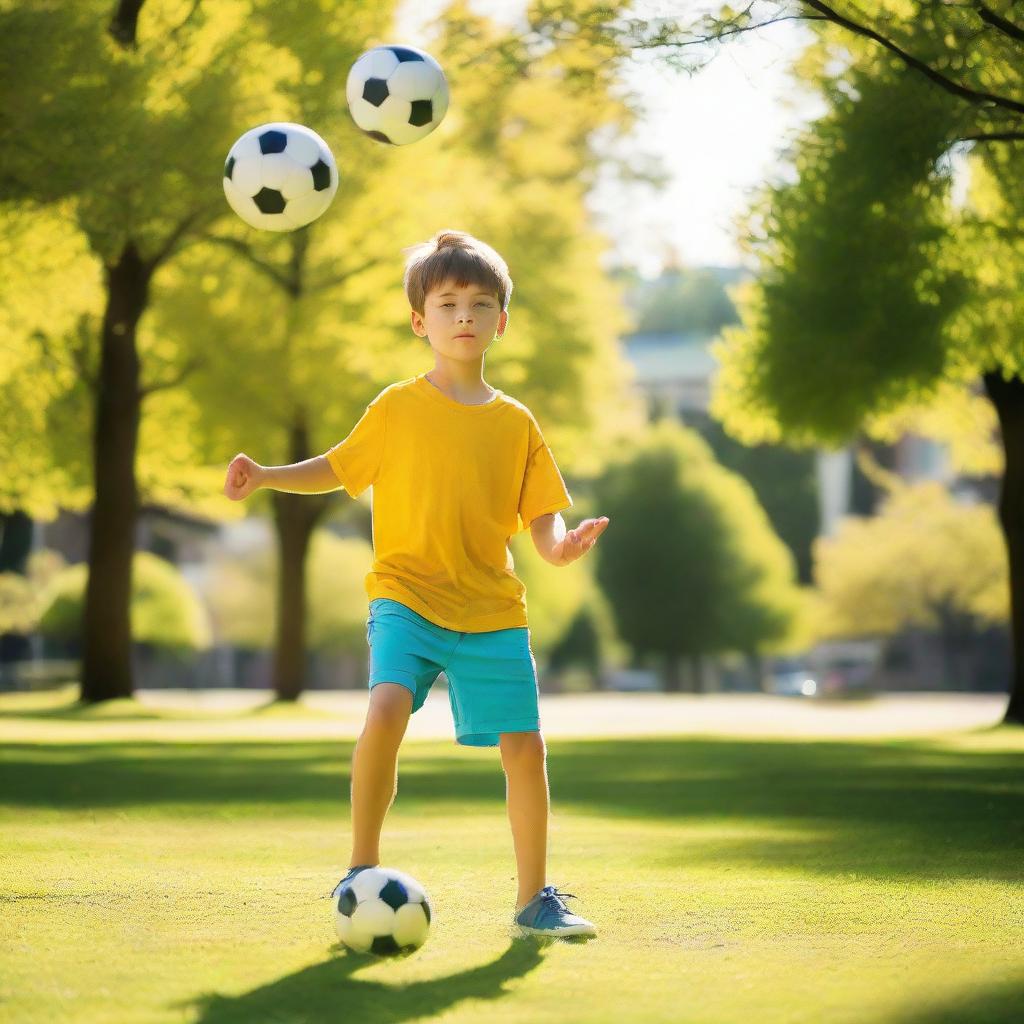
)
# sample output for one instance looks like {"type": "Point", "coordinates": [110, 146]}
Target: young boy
{"type": "Point", "coordinates": [457, 468]}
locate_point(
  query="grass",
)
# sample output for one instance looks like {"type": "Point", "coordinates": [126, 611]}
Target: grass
{"type": "Point", "coordinates": [169, 879]}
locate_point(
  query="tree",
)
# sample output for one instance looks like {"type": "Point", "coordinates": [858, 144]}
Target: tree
{"type": "Point", "coordinates": [958, 64]}
{"type": "Point", "coordinates": [927, 304]}
{"type": "Point", "coordinates": [332, 329]}
{"type": "Point", "coordinates": [924, 560]}
{"type": "Point", "coordinates": [692, 567]}
{"type": "Point", "coordinates": [122, 116]}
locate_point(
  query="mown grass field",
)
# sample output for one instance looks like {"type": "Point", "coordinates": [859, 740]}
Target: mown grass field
{"type": "Point", "coordinates": [731, 879]}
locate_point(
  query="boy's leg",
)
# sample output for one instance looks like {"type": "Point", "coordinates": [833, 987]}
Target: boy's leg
{"type": "Point", "coordinates": [375, 768]}
{"type": "Point", "coordinates": [523, 756]}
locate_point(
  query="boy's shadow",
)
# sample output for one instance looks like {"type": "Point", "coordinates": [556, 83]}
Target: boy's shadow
{"type": "Point", "coordinates": [328, 991]}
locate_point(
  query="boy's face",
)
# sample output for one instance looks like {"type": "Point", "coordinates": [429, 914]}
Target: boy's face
{"type": "Point", "coordinates": [460, 321]}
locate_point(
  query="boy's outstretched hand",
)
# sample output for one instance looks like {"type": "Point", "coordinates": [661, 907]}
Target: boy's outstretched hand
{"type": "Point", "coordinates": [243, 477]}
{"type": "Point", "coordinates": [576, 543]}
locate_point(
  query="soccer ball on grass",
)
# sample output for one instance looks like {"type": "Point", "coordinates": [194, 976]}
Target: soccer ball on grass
{"type": "Point", "coordinates": [382, 911]}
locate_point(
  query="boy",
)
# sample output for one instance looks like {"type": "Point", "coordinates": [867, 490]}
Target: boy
{"type": "Point", "coordinates": [457, 467]}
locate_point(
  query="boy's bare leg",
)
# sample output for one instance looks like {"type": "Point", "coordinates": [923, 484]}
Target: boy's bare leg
{"type": "Point", "coordinates": [375, 768]}
{"type": "Point", "coordinates": [523, 756]}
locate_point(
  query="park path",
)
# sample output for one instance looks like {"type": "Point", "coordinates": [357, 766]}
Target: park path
{"type": "Point", "coordinates": [224, 715]}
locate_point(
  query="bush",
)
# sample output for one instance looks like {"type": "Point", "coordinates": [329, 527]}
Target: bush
{"type": "Point", "coordinates": [165, 611]}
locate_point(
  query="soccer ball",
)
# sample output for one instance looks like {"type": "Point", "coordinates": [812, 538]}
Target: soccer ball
{"type": "Point", "coordinates": [280, 176]}
{"type": "Point", "coordinates": [382, 911]}
{"type": "Point", "coordinates": [397, 94]}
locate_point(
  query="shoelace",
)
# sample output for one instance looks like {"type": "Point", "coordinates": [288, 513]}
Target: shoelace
{"type": "Point", "coordinates": [554, 896]}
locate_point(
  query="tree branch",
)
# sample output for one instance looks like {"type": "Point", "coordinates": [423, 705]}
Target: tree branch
{"type": "Point", "coordinates": [175, 237]}
{"type": "Point", "coordinates": [997, 21]}
{"type": "Point", "coordinates": [240, 247]}
{"type": "Point", "coordinates": [993, 137]}
{"type": "Point", "coordinates": [188, 17]}
{"type": "Point", "coordinates": [962, 91]}
{"type": "Point", "coordinates": [125, 23]}
{"type": "Point", "coordinates": [173, 381]}
{"type": "Point", "coordinates": [331, 282]}
{"type": "Point", "coordinates": [735, 28]}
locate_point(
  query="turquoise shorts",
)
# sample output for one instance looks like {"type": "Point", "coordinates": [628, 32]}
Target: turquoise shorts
{"type": "Point", "coordinates": [492, 676]}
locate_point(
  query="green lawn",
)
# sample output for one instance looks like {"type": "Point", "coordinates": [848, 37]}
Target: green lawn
{"type": "Point", "coordinates": [732, 881]}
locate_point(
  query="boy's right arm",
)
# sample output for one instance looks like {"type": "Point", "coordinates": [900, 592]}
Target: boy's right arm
{"type": "Point", "coordinates": [314, 476]}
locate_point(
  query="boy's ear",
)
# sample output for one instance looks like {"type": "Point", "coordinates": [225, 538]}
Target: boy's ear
{"type": "Point", "coordinates": [418, 326]}
{"type": "Point", "coordinates": [502, 323]}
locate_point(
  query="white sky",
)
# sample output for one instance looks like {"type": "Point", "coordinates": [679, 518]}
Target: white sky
{"type": "Point", "coordinates": [717, 133]}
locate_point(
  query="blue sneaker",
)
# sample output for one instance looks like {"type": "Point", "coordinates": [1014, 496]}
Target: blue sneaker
{"type": "Point", "coordinates": [352, 872]}
{"type": "Point", "coordinates": [547, 914]}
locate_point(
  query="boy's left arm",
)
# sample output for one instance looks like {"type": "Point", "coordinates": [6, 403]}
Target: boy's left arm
{"type": "Point", "coordinates": [559, 547]}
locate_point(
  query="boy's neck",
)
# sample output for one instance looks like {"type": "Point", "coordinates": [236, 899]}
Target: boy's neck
{"type": "Point", "coordinates": [461, 381]}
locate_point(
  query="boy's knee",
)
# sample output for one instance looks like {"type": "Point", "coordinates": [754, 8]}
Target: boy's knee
{"type": "Point", "coordinates": [390, 704]}
{"type": "Point", "coordinates": [515, 745]}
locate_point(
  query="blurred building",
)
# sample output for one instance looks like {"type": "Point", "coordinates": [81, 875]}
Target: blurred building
{"type": "Point", "coordinates": [675, 373]}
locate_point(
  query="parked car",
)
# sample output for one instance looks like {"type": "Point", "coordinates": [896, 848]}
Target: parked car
{"type": "Point", "coordinates": [838, 669]}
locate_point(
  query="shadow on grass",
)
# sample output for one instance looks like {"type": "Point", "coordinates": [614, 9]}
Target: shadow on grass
{"type": "Point", "coordinates": [996, 1004]}
{"type": "Point", "coordinates": [910, 808]}
{"type": "Point", "coordinates": [329, 991]}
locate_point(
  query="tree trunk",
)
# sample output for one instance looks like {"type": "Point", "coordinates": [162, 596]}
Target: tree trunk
{"type": "Point", "coordinates": [295, 517]}
{"type": "Point", "coordinates": [697, 673]}
{"type": "Point", "coordinates": [1008, 398]}
{"type": "Point", "coordinates": [106, 618]}
{"type": "Point", "coordinates": [673, 674]}
{"type": "Point", "coordinates": [755, 666]}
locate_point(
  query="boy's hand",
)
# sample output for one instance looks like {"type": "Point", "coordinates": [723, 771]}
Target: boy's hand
{"type": "Point", "coordinates": [243, 477]}
{"type": "Point", "coordinates": [576, 543]}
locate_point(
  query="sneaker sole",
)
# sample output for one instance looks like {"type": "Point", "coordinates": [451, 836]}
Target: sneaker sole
{"type": "Point", "coordinates": [556, 933]}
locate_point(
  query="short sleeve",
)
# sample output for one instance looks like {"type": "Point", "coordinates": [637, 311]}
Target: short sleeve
{"type": "Point", "coordinates": [356, 460]}
{"type": "Point", "coordinates": [543, 489]}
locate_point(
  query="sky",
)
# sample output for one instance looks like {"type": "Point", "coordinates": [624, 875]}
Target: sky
{"type": "Point", "coordinates": [718, 135]}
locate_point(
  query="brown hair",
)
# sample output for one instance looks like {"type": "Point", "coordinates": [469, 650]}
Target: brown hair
{"type": "Point", "coordinates": [454, 256]}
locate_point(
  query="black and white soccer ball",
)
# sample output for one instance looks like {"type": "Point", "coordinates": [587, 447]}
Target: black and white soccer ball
{"type": "Point", "coordinates": [280, 176]}
{"type": "Point", "coordinates": [397, 94]}
{"type": "Point", "coordinates": [382, 911]}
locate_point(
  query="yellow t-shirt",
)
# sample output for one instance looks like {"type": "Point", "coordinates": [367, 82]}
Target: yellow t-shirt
{"type": "Point", "coordinates": [451, 484]}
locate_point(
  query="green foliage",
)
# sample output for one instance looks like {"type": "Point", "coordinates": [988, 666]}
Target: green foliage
{"type": "Point", "coordinates": [690, 563]}
{"type": "Point", "coordinates": [785, 482]}
{"type": "Point", "coordinates": [847, 315]}
{"type": "Point", "coordinates": [165, 610]}
{"type": "Point", "coordinates": [682, 299]}
{"type": "Point", "coordinates": [22, 598]}
{"type": "Point", "coordinates": [554, 594]}
{"type": "Point", "coordinates": [241, 591]}
{"type": "Point", "coordinates": [922, 560]}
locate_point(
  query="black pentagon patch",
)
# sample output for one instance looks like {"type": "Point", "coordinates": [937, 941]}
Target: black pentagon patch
{"type": "Point", "coordinates": [269, 200]}
{"type": "Point", "coordinates": [229, 167]}
{"type": "Point", "coordinates": [375, 91]}
{"type": "Point", "coordinates": [403, 53]}
{"type": "Point", "coordinates": [426, 910]}
{"type": "Point", "coordinates": [379, 136]}
{"type": "Point", "coordinates": [321, 176]}
{"type": "Point", "coordinates": [394, 894]}
{"type": "Point", "coordinates": [385, 945]}
{"type": "Point", "coordinates": [422, 113]}
{"type": "Point", "coordinates": [347, 901]}
{"type": "Point", "coordinates": [273, 142]}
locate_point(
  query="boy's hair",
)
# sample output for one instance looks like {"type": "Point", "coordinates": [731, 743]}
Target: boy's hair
{"type": "Point", "coordinates": [458, 257]}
